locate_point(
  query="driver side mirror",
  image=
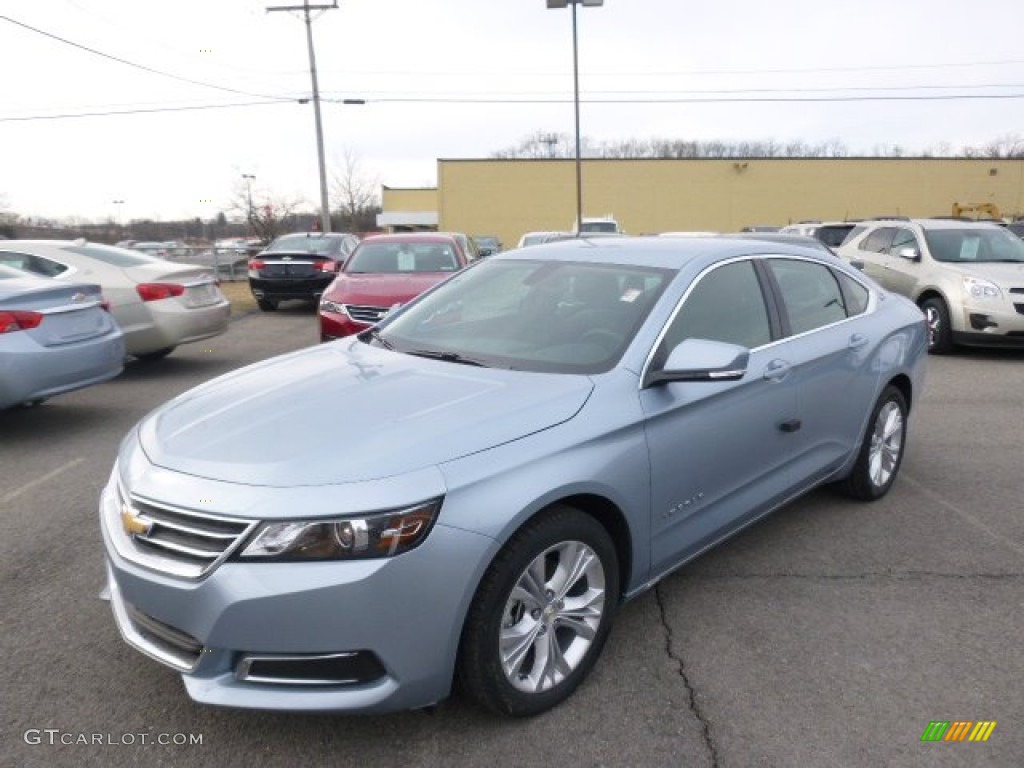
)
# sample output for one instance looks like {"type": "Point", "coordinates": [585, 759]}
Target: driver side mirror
{"type": "Point", "coordinates": [701, 360]}
{"type": "Point", "coordinates": [910, 254]}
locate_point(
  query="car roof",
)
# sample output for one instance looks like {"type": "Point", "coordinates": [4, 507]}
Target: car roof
{"type": "Point", "coordinates": [937, 223]}
{"type": "Point", "coordinates": [410, 237]}
{"type": "Point", "coordinates": [674, 253]}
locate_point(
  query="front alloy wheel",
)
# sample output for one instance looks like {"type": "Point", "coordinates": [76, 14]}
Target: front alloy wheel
{"type": "Point", "coordinates": [541, 614]}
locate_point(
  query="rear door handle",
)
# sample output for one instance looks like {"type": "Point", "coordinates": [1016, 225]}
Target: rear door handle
{"type": "Point", "coordinates": [791, 425]}
{"type": "Point", "coordinates": [777, 370]}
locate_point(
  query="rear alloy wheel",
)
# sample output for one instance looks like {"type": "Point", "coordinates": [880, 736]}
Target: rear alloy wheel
{"type": "Point", "coordinates": [881, 450]}
{"type": "Point", "coordinates": [159, 354]}
{"type": "Point", "coordinates": [541, 614]}
{"type": "Point", "coordinates": [940, 334]}
{"type": "Point", "coordinates": [267, 305]}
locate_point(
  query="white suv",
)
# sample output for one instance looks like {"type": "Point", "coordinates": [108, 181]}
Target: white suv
{"type": "Point", "coordinates": [966, 276]}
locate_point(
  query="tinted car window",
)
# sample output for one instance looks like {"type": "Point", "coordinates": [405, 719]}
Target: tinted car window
{"type": "Point", "coordinates": [856, 295]}
{"type": "Point", "coordinates": [833, 235]}
{"type": "Point", "coordinates": [810, 293]}
{"type": "Point", "coordinates": [878, 241]}
{"type": "Point", "coordinates": [306, 244]}
{"type": "Point", "coordinates": [727, 304]}
{"type": "Point", "coordinates": [904, 238]}
{"type": "Point", "coordinates": [29, 262]}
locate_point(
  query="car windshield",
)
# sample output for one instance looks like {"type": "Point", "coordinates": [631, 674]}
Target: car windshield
{"type": "Point", "coordinates": [304, 244]}
{"type": "Point", "coordinates": [388, 258]}
{"type": "Point", "coordinates": [599, 226]}
{"type": "Point", "coordinates": [974, 245]}
{"type": "Point", "coordinates": [543, 316]}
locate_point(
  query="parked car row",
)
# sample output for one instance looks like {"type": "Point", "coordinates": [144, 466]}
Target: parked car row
{"type": "Point", "coordinates": [153, 304]}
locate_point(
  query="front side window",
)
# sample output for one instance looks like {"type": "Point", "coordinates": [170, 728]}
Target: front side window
{"type": "Point", "coordinates": [811, 294]}
{"type": "Point", "coordinates": [726, 304]}
{"type": "Point", "coordinates": [559, 317]}
{"type": "Point", "coordinates": [903, 239]}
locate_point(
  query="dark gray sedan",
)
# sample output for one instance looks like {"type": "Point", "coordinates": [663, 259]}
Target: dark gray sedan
{"type": "Point", "coordinates": [54, 337]}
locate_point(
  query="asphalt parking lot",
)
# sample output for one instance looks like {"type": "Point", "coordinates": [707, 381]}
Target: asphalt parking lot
{"type": "Point", "coordinates": [830, 634]}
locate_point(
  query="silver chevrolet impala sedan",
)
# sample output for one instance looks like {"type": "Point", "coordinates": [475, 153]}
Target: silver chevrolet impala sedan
{"type": "Point", "coordinates": [471, 488]}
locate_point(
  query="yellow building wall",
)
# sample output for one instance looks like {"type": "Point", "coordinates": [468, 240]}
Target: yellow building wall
{"type": "Point", "coordinates": [409, 199]}
{"type": "Point", "coordinates": [509, 197]}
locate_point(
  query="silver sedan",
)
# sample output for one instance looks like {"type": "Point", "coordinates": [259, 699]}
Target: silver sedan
{"type": "Point", "coordinates": [54, 338]}
{"type": "Point", "coordinates": [158, 304]}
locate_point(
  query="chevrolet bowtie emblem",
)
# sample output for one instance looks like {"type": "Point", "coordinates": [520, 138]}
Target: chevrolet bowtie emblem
{"type": "Point", "coordinates": [132, 523]}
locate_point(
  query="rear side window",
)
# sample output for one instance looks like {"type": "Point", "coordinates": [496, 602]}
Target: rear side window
{"type": "Point", "coordinates": [29, 262]}
{"type": "Point", "coordinates": [117, 257]}
{"type": "Point", "coordinates": [810, 293]}
{"type": "Point", "coordinates": [879, 240]}
{"type": "Point", "coordinates": [856, 295]}
{"type": "Point", "coordinates": [727, 304]}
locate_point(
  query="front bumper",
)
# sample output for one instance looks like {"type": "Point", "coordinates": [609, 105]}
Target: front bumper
{"type": "Point", "coordinates": [404, 614]}
{"type": "Point", "coordinates": [991, 324]}
{"type": "Point", "coordinates": [335, 325]}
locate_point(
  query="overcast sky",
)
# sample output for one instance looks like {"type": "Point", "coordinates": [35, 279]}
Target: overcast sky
{"type": "Point", "coordinates": [454, 79]}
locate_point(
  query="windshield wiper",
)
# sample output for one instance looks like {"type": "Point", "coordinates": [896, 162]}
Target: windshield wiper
{"type": "Point", "coordinates": [375, 334]}
{"type": "Point", "coordinates": [448, 357]}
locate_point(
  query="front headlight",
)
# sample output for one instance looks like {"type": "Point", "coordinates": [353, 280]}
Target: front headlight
{"type": "Point", "coordinates": [383, 534]}
{"type": "Point", "coordinates": [977, 288]}
{"type": "Point", "coordinates": [332, 306]}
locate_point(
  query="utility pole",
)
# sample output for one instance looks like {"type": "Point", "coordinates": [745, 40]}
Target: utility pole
{"type": "Point", "coordinates": [325, 206]}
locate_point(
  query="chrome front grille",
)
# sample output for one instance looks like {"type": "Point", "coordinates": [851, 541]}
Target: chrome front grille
{"type": "Point", "coordinates": [366, 314]}
{"type": "Point", "coordinates": [172, 540]}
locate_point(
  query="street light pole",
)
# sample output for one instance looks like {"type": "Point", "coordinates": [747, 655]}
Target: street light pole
{"type": "Point", "coordinates": [325, 209]}
{"type": "Point", "coordinates": [576, 97]}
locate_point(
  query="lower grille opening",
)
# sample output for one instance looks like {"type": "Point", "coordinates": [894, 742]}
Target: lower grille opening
{"type": "Point", "coordinates": [172, 641]}
{"type": "Point", "coordinates": [348, 668]}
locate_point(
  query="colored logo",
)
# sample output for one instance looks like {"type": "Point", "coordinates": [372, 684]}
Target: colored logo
{"type": "Point", "coordinates": [958, 730]}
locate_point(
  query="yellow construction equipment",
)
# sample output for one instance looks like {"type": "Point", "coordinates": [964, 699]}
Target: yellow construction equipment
{"type": "Point", "coordinates": [990, 209]}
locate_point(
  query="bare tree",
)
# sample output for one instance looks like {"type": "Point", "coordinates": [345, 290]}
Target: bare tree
{"type": "Point", "coordinates": [354, 194]}
{"type": "Point", "coordinates": [267, 215]}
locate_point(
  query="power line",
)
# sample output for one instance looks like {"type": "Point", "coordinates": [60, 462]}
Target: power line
{"type": "Point", "coordinates": [143, 67]}
{"type": "Point", "coordinates": [70, 115]}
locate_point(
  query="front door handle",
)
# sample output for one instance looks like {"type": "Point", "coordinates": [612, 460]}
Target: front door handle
{"type": "Point", "coordinates": [777, 370]}
{"type": "Point", "coordinates": [791, 425]}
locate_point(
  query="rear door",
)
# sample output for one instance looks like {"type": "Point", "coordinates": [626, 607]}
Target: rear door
{"type": "Point", "coordinates": [827, 317]}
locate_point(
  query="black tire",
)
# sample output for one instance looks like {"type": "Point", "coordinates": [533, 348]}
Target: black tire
{"type": "Point", "coordinates": [940, 332]}
{"type": "Point", "coordinates": [159, 354]}
{"type": "Point", "coordinates": [540, 544]}
{"type": "Point", "coordinates": [267, 305]}
{"type": "Point", "coordinates": [881, 449]}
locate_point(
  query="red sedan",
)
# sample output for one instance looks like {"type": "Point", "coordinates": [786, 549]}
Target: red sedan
{"type": "Point", "coordinates": [385, 271]}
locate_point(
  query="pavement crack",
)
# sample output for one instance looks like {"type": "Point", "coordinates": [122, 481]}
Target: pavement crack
{"type": "Point", "coordinates": [709, 743]}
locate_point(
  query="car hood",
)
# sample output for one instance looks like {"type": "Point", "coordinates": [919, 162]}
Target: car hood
{"type": "Point", "coordinates": [382, 290]}
{"type": "Point", "coordinates": [1006, 274]}
{"type": "Point", "coordinates": [348, 412]}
